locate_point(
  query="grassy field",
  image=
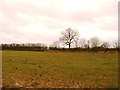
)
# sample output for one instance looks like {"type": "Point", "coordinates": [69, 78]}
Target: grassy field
{"type": "Point", "coordinates": [60, 69]}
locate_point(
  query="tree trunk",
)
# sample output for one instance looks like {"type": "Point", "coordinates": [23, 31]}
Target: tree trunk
{"type": "Point", "coordinates": [69, 45]}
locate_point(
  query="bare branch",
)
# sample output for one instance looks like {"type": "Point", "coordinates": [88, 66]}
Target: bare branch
{"type": "Point", "coordinates": [69, 36]}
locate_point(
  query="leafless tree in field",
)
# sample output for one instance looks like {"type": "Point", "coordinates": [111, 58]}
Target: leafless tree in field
{"type": "Point", "coordinates": [82, 42]}
{"type": "Point", "coordinates": [116, 44]}
{"type": "Point", "coordinates": [95, 42]}
{"type": "Point", "coordinates": [105, 45]}
{"type": "Point", "coordinates": [76, 42]}
{"type": "Point", "coordinates": [55, 44]}
{"type": "Point", "coordinates": [69, 37]}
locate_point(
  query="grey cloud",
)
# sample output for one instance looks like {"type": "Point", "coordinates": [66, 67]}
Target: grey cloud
{"type": "Point", "coordinates": [78, 17]}
{"type": "Point", "coordinates": [57, 19]}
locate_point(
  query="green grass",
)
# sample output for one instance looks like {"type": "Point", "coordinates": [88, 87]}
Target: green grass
{"type": "Point", "coordinates": [60, 69]}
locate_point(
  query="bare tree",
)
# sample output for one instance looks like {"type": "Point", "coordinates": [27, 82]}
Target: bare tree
{"type": "Point", "coordinates": [82, 42]}
{"type": "Point", "coordinates": [76, 42]}
{"type": "Point", "coordinates": [95, 42]}
{"type": "Point", "coordinates": [55, 44]}
{"type": "Point", "coordinates": [69, 37]}
{"type": "Point", "coordinates": [105, 45]}
{"type": "Point", "coordinates": [87, 46]}
{"type": "Point", "coordinates": [116, 44]}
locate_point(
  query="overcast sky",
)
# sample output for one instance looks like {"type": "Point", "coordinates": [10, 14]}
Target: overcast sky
{"type": "Point", "coordinates": [42, 21]}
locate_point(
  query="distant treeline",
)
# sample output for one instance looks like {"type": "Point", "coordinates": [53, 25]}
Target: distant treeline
{"type": "Point", "coordinates": [43, 47]}
{"type": "Point", "coordinates": [79, 49]}
{"type": "Point", "coordinates": [24, 47]}
{"type": "Point", "coordinates": [68, 41]}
